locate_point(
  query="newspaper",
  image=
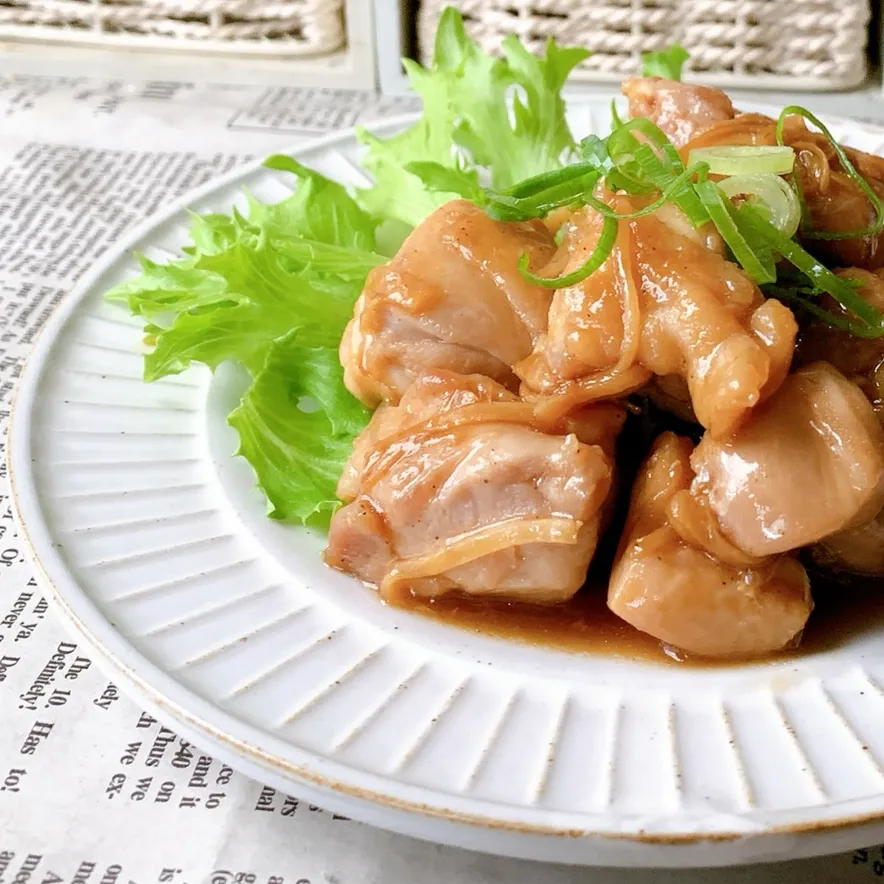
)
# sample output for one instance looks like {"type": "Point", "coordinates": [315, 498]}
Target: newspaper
{"type": "Point", "coordinates": [92, 789]}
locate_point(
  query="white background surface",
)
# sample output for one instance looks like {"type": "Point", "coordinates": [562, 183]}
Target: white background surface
{"type": "Point", "coordinates": [75, 765]}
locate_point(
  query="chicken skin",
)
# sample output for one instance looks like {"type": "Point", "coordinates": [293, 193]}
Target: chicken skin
{"type": "Point", "coordinates": [460, 487]}
{"type": "Point", "coordinates": [451, 299]}
{"type": "Point", "coordinates": [685, 596]}
{"type": "Point", "coordinates": [665, 304]}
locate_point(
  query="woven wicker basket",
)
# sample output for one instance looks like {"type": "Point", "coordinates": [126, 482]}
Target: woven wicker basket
{"type": "Point", "coordinates": [279, 27]}
{"type": "Point", "coordinates": [788, 44]}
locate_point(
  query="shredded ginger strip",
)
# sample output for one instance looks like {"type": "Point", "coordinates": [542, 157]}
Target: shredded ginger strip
{"type": "Point", "coordinates": [624, 376]}
{"type": "Point", "coordinates": [471, 545]}
{"type": "Point", "coordinates": [389, 449]}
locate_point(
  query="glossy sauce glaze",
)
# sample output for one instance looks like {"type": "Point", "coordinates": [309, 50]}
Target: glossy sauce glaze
{"type": "Point", "coordinates": [488, 473]}
{"type": "Point", "coordinates": [845, 606]}
{"type": "Point", "coordinates": [585, 625]}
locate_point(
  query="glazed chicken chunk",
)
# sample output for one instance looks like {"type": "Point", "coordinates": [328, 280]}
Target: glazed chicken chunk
{"type": "Point", "coordinates": [452, 299]}
{"type": "Point", "coordinates": [859, 549]}
{"type": "Point", "coordinates": [489, 467]}
{"type": "Point", "coordinates": [681, 110]}
{"type": "Point", "coordinates": [701, 116]}
{"type": "Point", "coordinates": [808, 463]}
{"type": "Point", "coordinates": [459, 487]}
{"type": "Point", "coordinates": [685, 596]}
{"type": "Point", "coordinates": [667, 303]}
{"type": "Point", "coordinates": [860, 360]}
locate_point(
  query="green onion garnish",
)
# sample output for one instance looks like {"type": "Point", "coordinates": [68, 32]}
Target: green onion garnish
{"type": "Point", "coordinates": [666, 196]}
{"type": "Point", "coordinates": [622, 140]}
{"type": "Point", "coordinates": [638, 159]}
{"type": "Point", "coordinates": [745, 159]}
{"type": "Point", "coordinates": [781, 293]}
{"type": "Point", "coordinates": [608, 234]}
{"type": "Point", "coordinates": [663, 175]}
{"type": "Point", "coordinates": [647, 170]}
{"type": "Point", "coordinates": [770, 195]}
{"type": "Point", "coordinates": [758, 264]}
{"type": "Point", "coordinates": [538, 196]}
{"type": "Point", "coordinates": [847, 166]}
{"type": "Point", "coordinates": [599, 255]}
{"type": "Point", "coordinates": [539, 184]}
{"type": "Point", "coordinates": [595, 151]}
{"type": "Point", "coordinates": [822, 279]}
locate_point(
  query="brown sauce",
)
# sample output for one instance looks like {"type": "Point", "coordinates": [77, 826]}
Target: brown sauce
{"type": "Point", "coordinates": [586, 625]}
{"type": "Point", "coordinates": [844, 608]}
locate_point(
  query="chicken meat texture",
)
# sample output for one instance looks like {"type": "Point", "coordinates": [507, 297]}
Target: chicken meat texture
{"type": "Point", "coordinates": [700, 116]}
{"type": "Point", "coordinates": [450, 299]}
{"type": "Point", "coordinates": [858, 549]}
{"type": "Point", "coordinates": [860, 360]}
{"type": "Point", "coordinates": [458, 484]}
{"type": "Point", "coordinates": [460, 487]}
{"type": "Point", "coordinates": [685, 596]}
{"type": "Point", "coordinates": [666, 303]}
{"type": "Point", "coordinates": [807, 464]}
{"type": "Point", "coordinates": [681, 110]}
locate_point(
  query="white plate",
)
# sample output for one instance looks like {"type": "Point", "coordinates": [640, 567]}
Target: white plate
{"type": "Point", "coordinates": [156, 549]}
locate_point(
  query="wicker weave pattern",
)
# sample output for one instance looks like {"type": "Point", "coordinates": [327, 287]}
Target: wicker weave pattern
{"type": "Point", "coordinates": [732, 42]}
{"type": "Point", "coordinates": [304, 26]}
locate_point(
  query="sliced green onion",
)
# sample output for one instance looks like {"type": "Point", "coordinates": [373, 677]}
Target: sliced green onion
{"type": "Point", "coordinates": [640, 164]}
{"type": "Point", "coordinates": [770, 195]}
{"type": "Point", "coordinates": [623, 140]}
{"type": "Point", "coordinates": [523, 209]}
{"type": "Point", "coordinates": [756, 262]}
{"type": "Point", "coordinates": [599, 255]}
{"type": "Point", "coordinates": [536, 197]}
{"type": "Point", "coordinates": [541, 183]}
{"type": "Point", "coordinates": [745, 159]}
{"type": "Point", "coordinates": [662, 176]}
{"type": "Point", "coordinates": [625, 174]}
{"type": "Point", "coordinates": [666, 196]}
{"type": "Point", "coordinates": [616, 121]}
{"type": "Point", "coordinates": [781, 293]}
{"type": "Point", "coordinates": [566, 193]}
{"type": "Point", "coordinates": [758, 244]}
{"type": "Point", "coordinates": [821, 277]}
{"type": "Point", "coordinates": [628, 179]}
{"type": "Point", "coordinates": [847, 166]}
{"type": "Point", "coordinates": [595, 151]}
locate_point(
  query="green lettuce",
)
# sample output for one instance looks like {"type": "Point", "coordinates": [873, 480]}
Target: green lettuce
{"type": "Point", "coordinates": [297, 422]}
{"type": "Point", "coordinates": [273, 287]}
{"type": "Point", "coordinates": [272, 290]}
{"type": "Point", "coordinates": [502, 119]}
{"type": "Point", "coordinates": [668, 63]}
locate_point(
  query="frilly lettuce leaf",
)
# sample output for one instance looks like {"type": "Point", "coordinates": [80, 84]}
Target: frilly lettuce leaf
{"type": "Point", "coordinates": [667, 63]}
{"type": "Point", "coordinates": [273, 287]}
{"type": "Point", "coordinates": [531, 138]}
{"type": "Point", "coordinates": [320, 210]}
{"type": "Point", "coordinates": [296, 425]}
{"type": "Point", "coordinates": [396, 193]}
{"type": "Point", "coordinates": [273, 291]}
{"type": "Point", "coordinates": [500, 118]}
